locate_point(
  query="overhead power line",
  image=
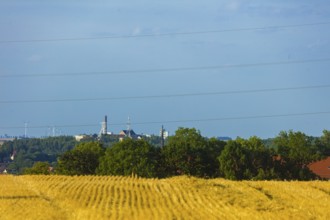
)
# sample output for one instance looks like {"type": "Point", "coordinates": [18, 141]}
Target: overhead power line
{"type": "Point", "coordinates": [234, 118]}
{"type": "Point", "coordinates": [167, 34]}
{"type": "Point", "coordinates": [173, 69]}
{"type": "Point", "coordinates": [166, 96]}
{"type": "Point", "coordinates": [181, 121]}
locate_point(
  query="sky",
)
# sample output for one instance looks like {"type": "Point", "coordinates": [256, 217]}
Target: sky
{"type": "Point", "coordinates": [65, 64]}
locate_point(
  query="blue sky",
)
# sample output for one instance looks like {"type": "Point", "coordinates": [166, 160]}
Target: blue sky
{"type": "Point", "coordinates": [44, 20]}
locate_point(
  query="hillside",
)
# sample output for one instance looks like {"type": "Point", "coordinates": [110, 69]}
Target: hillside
{"type": "Point", "coordinates": [104, 197]}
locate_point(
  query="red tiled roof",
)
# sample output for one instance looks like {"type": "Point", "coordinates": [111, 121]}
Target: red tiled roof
{"type": "Point", "coordinates": [321, 168]}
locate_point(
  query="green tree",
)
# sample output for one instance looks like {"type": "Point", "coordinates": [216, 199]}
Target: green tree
{"type": "Point", "coordinates": [130, 157]}
{"type": "Point", "coordinates": [41, 168]}
{"type": "Point", "coordinates": [212, 152]}
{"type": "Point", "coordinates": [296, 146]}
{"type": "Point", "coordinates": [154, 140]}
{"type": "Point", "coordinates": [323, 143]}
{"type": "Point", "coordinates": [296, 151]}
{"type": "Point", "coordinates": [259, 163]}
{"type": "Point", "coordinates": [31, 150]}
{"type": "Point", "coordinates": [233, 161]}
{"type": "Point", "coordinates": [189, 153]}
{"type": "Point", "coordinates": [82, 160]}
{"type": "Point", "coordinates": [107, 140]}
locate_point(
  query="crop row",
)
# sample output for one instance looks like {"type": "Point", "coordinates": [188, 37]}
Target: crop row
{"type": "Point", "coordinates": [113, 197]}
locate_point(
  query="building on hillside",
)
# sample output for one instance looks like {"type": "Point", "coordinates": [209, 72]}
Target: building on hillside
{"type": "Point", "coordinates": [79, 137]}
{"type": "Point", "coordinates": [321, 168]}
{"type": "Point", "coordinates": [129, 134]}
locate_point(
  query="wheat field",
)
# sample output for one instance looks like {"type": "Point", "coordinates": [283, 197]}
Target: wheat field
{"type": "Point", "coordinates": [105, 197]}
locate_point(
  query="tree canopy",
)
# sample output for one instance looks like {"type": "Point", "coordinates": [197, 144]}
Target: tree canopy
{"type": "Point", "coordinates": [26, 152]}
{"type": "Point", "coordinates": [38, 168]}
{"type": "Point", "coordinates": [189, 153]}
{"type": "Point", "coordinates": [129, 157]}
{"type": "Point", "coordinates": [82, 160]}
{"type": "Point", "coordinates": [246, 159]}
{"type": "Point", "coordinates": [295, 150]}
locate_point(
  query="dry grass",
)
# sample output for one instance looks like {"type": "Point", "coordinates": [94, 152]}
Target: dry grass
{"type": "Point", "coordinates": [104, 197]}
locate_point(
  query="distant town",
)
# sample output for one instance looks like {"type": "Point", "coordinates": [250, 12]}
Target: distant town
{"type": "Point", "coordinates": [128, 132]}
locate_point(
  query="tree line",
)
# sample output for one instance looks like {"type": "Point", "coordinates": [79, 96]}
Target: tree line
{"type": "Point", "coordinates": [22, 153]}
{"type": "Point", "coordinates": [189, 153]}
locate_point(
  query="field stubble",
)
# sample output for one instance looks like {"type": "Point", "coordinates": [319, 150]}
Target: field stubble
{"type": "Point", "coordinates": [105, 197]}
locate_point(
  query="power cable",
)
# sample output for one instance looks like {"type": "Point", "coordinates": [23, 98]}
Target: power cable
{"type": "Point", "coordinates": [180, 121]}
{"type": "Point", "coordinates": [166, 96]}
{"type": "Point", "coordinates": [174, 69]}
{"type": "Point", "coordinates": [165, 34]}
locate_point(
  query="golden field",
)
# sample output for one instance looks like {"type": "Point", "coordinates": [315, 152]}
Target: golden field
{"type": "Point", "coordinates": [105, 197]}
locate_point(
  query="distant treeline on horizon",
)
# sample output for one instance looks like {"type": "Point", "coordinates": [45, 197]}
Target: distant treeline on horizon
{"type": "Point", "coordinates": [187, 152]}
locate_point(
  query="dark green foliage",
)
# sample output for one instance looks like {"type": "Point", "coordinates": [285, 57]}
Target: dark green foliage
{"type": "Point", "coordinates": [39, 168]}
{"type": "Point", "coordinates": [189, 153]}
{"type": "Point", "coordinates": [213, 150]}
{"type": "Point", "coordinates": [108, 140]}
{"type": "Point", "coordinates": [28, 151]}
{"type": "Point", "coordinates": [186, 153]}
{"type": "Point", "coordinates": [183, 153]}
{"type": "Point", "coordinates": [5, 151]}
{"type": "Point", "coordinates": [233, 161]}
{"type": "Point", "coordinates": [296, 146]}
{"type": "Point", "coordinates": [130, 157]}
{"type": "Point", "coordinates": [260, 163]}
{"type": "Point", "coordinates": [323, 144]}
{"type": "Point", "coordinates": [82, 160]}
{"type": "Point", "coordinates": [295, 151]}
{"type": "Point", "coordinates": [155, 140]}
{"type": "Point", "coordinates": [247, 159]}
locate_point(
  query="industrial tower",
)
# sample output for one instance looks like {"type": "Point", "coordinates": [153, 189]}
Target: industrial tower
{"type": "Point", "coordinates": [104, 126]}
{"type": "Point", "coordinates": [129, 127]}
